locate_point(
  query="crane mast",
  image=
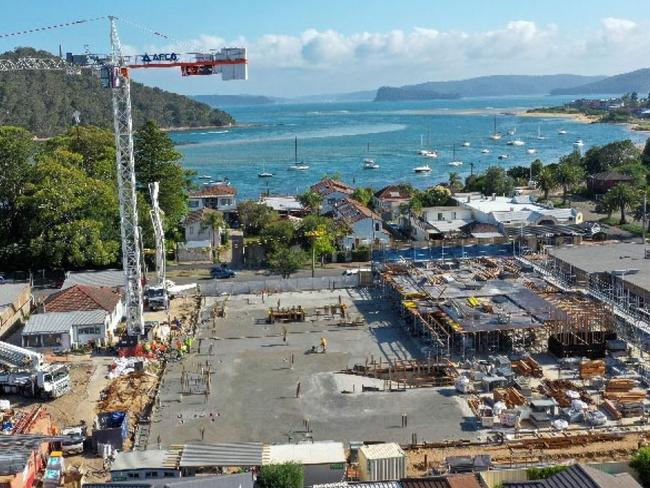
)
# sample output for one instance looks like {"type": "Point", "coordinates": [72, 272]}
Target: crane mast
{"type": "Point", "coordinates": [123, 125]}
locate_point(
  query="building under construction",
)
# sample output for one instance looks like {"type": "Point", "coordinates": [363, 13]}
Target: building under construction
{"type": "Point", "coordinates": [465, 308]}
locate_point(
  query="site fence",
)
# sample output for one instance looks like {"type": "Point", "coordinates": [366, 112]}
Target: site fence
{"type": "Point", "coordinates": [272, 285]}
{"type": "Point", "coordinates": [442, 252]}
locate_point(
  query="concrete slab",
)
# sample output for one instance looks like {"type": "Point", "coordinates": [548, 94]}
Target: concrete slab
{"type": "Point", "coordinates": [254, 388]}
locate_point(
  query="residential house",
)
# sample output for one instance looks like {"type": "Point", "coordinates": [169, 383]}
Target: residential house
{"type": "Point", "coordinates": [142, 465]}
{"type": "Point", "coordinates": [331, 192]}
{"type": "Point", "coordinates": [220, 196]}
{"type": "Point", "coordinates": [602, 182]}
{"type": "Point", "coordinates": [283, 204]}
{"type": "Point", "coordinates": [579, 476]}
{"type": "Point", "coordinates": [75, 316]}
{"type": "Point", "coordinates": [365, 225]}
{"type": "Point", "coordinates": [15, 304]}
{"type": "Point", "coordinates": [200, 239]}
{"type": "Point", "coordinates": [322, 462]}
{"type": "Point", "coordinates": [388, 200]}
{"type": "Point", "coordinates": [518, 211]}
{"type": "Point", "coordinates": [443, 222]}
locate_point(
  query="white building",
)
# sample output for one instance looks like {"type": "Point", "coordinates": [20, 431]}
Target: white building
{"type": "Point", "coordinates": [366, 226]}
{"type": "Point", "coordinates": [332, 192]}
{"type": "Point", "coordinates": [323, 462]}
{"type": "Point", "coordinates": [514, 211]}
{"type": "Point", "coordinates": [220, 196]}
{"type": "Point", "coordinates": [439, 222]}
{"type": "Point", "coordinates": [388, 200]}
{"type": "Point", "coordinates": [283, 204]}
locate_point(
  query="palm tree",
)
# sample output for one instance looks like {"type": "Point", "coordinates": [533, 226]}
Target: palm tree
{"type": "Point", "coordinates": [546, 181]}
{"type": "Point", "coordinates": [455, 183]}
{"type": "Point", "coordinates": [567, 175]}
{"type": "Point", "coordinates": [214, 221]}
{"type": "Point", "coordinates": [622, 197]}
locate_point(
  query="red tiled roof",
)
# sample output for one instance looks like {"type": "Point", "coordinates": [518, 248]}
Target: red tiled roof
{"type": "Point", "coordinates": [212, 191]}
{"type": "Point", "coordinates": [353, 211]}
{"type": "Point", "coordinates": [328, 185]}
{"type": "Point", "coordinates": [83, 297]}
{"type": "Point", "coordinates": [392, 192]}
{"type": "Point", "coordinates": [197, 215]}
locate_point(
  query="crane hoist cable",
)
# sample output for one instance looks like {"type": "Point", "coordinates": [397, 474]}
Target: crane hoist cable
{"type": "Point", "coordinates": [50, 27]}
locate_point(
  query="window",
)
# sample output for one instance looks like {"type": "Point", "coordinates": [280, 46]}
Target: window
{"type": "Point", "coordinates": [453, 216]}
{"type": "Point", "coordinates": [441, 216]}
{"type": "Point", "coordinates": [88, 331]}
{"type": "Point", "coordinates": [167, 474]}
{"type": "Point", "coordinates": [377, 226]}
{"type": "Point", "coordinates": [151, 474]}
{"type": "Point", "coordinates": [133, 475]}
{"type": "Point", "coordinates": [193, 204]}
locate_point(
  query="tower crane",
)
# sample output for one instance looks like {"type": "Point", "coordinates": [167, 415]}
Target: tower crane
{"type": "Point", "coordinates": [114, 70]}
{"type": "Point", "coordinates": [158, 294]}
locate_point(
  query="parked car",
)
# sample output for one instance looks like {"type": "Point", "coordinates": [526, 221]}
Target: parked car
{"type": "Point", "coordinates": [222, 272]}
{"type": "Point", "coordinates": [354, 271]}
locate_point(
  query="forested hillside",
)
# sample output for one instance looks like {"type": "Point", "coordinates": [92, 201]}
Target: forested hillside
{"type": "Point", "coordinates": [44, 102]}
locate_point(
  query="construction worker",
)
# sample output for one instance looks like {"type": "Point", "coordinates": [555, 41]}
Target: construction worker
{"type": "Point", "coordinates": [323, 344]}
{"type": "Point", "coordinates": [284, 335]}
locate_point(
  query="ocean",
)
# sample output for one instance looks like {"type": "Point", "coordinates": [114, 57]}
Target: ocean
{"type": "Point", "coordinates": [335, 138]}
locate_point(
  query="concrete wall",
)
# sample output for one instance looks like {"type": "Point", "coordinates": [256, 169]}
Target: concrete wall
{"type": "Point", "coordinates": [15, 311]}
{"type": "Point", "coordinates": [317, 474]}
{"type": "Point", "coordinates": [185, 255]}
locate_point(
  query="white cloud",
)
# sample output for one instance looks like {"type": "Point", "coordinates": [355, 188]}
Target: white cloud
{"type": "Point", "coordinates": [333, 61]}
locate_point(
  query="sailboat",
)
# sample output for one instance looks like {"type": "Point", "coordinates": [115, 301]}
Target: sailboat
{"type": "Point", "coordinates": [370, 163]}
{"type": "Point", "coordinates": [495, 136]}
{"type": "Point", "coordinates": [539, 133]}
{"type": "Point", "coordinates": [454, 161]}
{"type": "Point", "coordinates": [563, 131]}
{"type": "Point", "coordinates": [515, 142]}
{"type": "Point", "coordinates": [579, 143]}
{"type": "Point", "coordinates": [264, 173]}
{"type": "Point", "coordinates": [297, 166]}
{"type": "Point", "coordinates": [426, 152]}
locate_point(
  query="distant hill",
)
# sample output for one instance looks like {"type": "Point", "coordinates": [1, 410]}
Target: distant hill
{"type": "Point", "coordinates": [44, 102]}
{"type": "Point", "coordinates": [634, 81]}
{"type": "Point", "coordinates": [236, 100]}
{"type": "Point", "coordinates": [357, 96]}
{"type": "Point", "coordinates": [486, 86]}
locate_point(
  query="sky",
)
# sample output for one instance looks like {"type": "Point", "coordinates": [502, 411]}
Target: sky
{"type": "Point", "coordinates": [305, 47]}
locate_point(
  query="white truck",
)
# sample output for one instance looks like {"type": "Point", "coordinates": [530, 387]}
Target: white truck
{"type": "Point", "coordinates": [25, 372]}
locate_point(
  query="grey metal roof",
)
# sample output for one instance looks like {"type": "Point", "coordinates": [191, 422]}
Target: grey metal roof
{"type": "Point", "coordinates": [151, 458]}
{"type": "Point", "coordinates": [58, 322]}
{"type": "Point", "coordinates": [226, 454]}
{"type": "Point", "coordinates": [9, 292]}
{"type": "Point", "coordinates": [578, 476]}
{"type": "Point", "coordinates": [109, 277]}
{"type": "Point", "coordinates": [241, 480]}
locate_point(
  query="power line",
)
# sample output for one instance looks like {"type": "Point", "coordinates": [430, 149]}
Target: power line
{"type": "Point", "coordinates": [50, 27]}
{"type": "Point", "coordinates": [146, 29]}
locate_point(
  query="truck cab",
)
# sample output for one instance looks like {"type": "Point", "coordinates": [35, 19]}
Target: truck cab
{"type": "Point", "coordinates": [157, 298]}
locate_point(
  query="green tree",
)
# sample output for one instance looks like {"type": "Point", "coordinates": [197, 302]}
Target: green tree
{"type": "Point", "coordinates": [277, 234]}
{"type": "Point", "coordinates": [568, 173]}
{"type": "Point", "coordinates": [535, 167]}
{"type": "Point", "coordinates": [286, 261]}
{"type": "Point", "coordinates": [498, 182]}
{"type": "Point", "coordinates": [621, 197]}
{"type": "Point", "coordinates": [641, 462]}
{"type": "Point", "coordinates": [16, 149]}
{"type": "Point", "coordinates": [70, 219]}
{"type": "Point", "coordinates": [311, 200]}
{"type": "Point", "coordinates": [288, 475]}
{"type": "Point", "coordinates": [455, 183]}
{"type": "Point", "coordinates": [603, 158]}
{"type": "Point", "coordinates": [645, 155]}
{"type": "Point", "coordinates": [96, 146]}
{"type": "Point", "coordinates": [546, 181]}
{"type": "Point", "coordinates": [255, 216]}
{"type": "Point", "coordinates": [156, 159]}
{"type": "Point", "coordinates": [363, 195]}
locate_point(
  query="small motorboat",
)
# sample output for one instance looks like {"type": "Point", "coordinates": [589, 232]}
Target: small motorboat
{"type": "Point", "coordinates": [503, 156]}
{"type": "Point", "coordinates": [485, 151]}
{"type": "Point", "coordinates": [531, 151]}
{"type": "Point", "coordinates": [516, 142]}
{"type": "Point", "coordinates": [563, 131]}
{"type": "Point", "coordinates": [205, 177]}
{"type": "Point", "coordinates": [370, 164]}
{"type": "Point", "coordinates": [265, 174]}
{"type": "Point", "coordinates": [579, 143]}
{"type": "Point", "coordinates": [425, 168]}
{"type": "Point", "coordinates": [455, 163]}
{"type": "Point", "coordinates": [466, 144]}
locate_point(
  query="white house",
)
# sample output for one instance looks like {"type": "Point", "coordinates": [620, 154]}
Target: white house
{"type": "Point", "coordinates": [515, 211]}
{"type": "Point", "coordinates": [332, 192]}
{"type": "Point", "coordinates": [365, 224]}
{"type": "Point", "coordinates": [220, 196]}
{"type": "Point", "coordinates": [439, 222]}
{"type": "Point", "coordinates": [74, 317]}
{"type": "Point", "coordinates": [196, 230]}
